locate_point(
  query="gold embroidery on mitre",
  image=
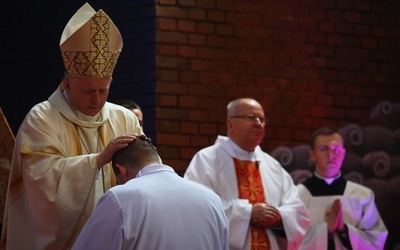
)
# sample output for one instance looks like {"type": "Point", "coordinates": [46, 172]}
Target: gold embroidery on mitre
{"type": "Point", "coordinates": [93, 49]}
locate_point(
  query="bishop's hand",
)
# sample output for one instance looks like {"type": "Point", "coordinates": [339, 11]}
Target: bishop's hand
{"type": "Point", "coordinates": [113, 146]}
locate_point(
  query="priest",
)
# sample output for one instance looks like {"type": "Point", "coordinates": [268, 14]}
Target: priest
{"type": "Point", "coordinates": [343, 213]}
{"type": "Point", "coordinates": [260, 199]}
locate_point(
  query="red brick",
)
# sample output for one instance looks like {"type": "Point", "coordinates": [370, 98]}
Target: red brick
{"type": "Point", "coordinates": [216, 41]}
{"type": "Point", "coordinates": [208, 129]}
{"type": "Point", "coordinates": [302, 135]}
{"type": "Point", "coordinates": [171, 37]}
{"type": "Point", "coordinates": [318, 111]}
{"type": "Point", "coordinates": [167, 126]}
{"type": "Point", "coordinates": [206, 4]}
{"type": "Point", "coordinates": [326, 27]}
{"type": "Point", "coordinates": [354, 114]}
{"type": "Point", "coordinates": [369, 43]}
{"type": "Point", "coordinates": [283, 133]}
{"type": "Point", "coordinates": [171, 11]}
{"type": "Point", "coordinates": [318, 86]}
{"type": "Point", "coordinates": [301, 110]}
{"type": "Point", "coordinates": [168, 75]}
{"type": "Point", "coordinates": [343, 101]}
{"type": "Point", "coordinates": [171, 88]}
{"type": "Point", "coordinates": [201, 141]}
{"type": "Point", "coordinates": [335, 15]}
{"type": "Point", "coordinates": [166, 2]}
{"type": "Point", "coordinates": [207, 53]}
{"type": "Point", "coordinates": [197, 115]}
{"type": "Point", "coordinates": [189, 128]}
{"type": "Point", "coordinates": [359, 102]}
{"type": "Point", "coordinates": [307, 98]}
{"type": "Point", "coordinates": [334, 40]}
{"type": "Point", "coordinates": [364, 78]}
{"type": "Point", "coordinates": [196, 39]}
{"type": "Point", "coordinates": [335, 113]}
{"type": "Point", "coordinates": [216, 16]}
{"type": "Point", "coordinates": [311, 122]}
{"type": "Point", "coordinates": [362, 30]}
{"type": "Point", "coordinates": [167, 152]}
{"type": "Point", "coordinates": [172, 113]}
{"type": "Point", "coordinates": [187, 3]}
{"type": "Point", "coordinates": [324, 100]}
{"type": "Point", "coordinates": [353, 17]}
{"type": "Point", "coordinates": [188, 76]}
{"type": "Point", "coordinates": [200, 65]}
{"type": "Point", "coordinates": [166, 24]}
{"type": "Point", "coordinates": [167, 50]}
{"type": "Point", "coordinates": [283, 109]}
{"type": "Point", "coordinates": [336, 88]}
{"type": "Point", "coordinates": [256, 69]}
{"type": "Point", "coordinates": [197, 14]}
{"type": "Point", "coordinates": [310, 74]}
{"type": "Point", "coordinates": [224, 30]}
{"type": "Point", "coordinates": [205, 28]}
{"type": "Point", "coordinates": [291, 121]}
{"type": "Point", "coordinates": [167, 100]}
{"type": "Point", "coordinates": [370, 66]}
{"type": "Point", "coordinates": [300, 85]}
{"type": "Point", "coordinates": [186, 26]}
{"type": "Point", "coordinates": [173, 139]}
{"type": "Point", "coordinates": [187, 153]}
{"type": "Point", "coordinates": [362, 6]}
{"type": "Point", "coordinates": [208, 78]}
{"type": "Point", "coordinates": [187, 51]}
{"type": "Point", "coordinates": [187, 102]}
{"type": "Point", "coordinates": [224, 5]}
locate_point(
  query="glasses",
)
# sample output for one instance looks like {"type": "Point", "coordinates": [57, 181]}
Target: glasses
{"type": "Point", "coordinates": [251, 118]}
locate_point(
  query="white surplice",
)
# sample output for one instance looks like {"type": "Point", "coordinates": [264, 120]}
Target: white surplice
{"type": "Point", "coordinates": [366, 229]}
{"type": "Point", "coordinates": [214, 167]}
{"type": "Point", "coordinates": [157, 210]}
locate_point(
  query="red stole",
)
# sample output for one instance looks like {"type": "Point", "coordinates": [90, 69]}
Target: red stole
{"type": "Point", "coordinates": [250, 187]}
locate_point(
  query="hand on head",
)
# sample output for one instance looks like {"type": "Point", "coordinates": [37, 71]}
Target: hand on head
{"type": "Point", "coordinates": [116, 144]}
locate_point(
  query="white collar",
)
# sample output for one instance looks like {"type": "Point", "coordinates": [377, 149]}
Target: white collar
{"type": "Point", "coordinates": [328, 180]}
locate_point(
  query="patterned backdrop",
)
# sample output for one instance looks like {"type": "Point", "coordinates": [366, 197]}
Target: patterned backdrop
{"type": "Point", "coordinates": [372, 159]}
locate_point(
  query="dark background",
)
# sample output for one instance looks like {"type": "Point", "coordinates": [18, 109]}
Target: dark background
{"type": "Point", "coordinates": [32, 67]}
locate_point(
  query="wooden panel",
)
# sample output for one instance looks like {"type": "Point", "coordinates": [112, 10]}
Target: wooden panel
{"type": "Point", "coordinates": [7, 141]}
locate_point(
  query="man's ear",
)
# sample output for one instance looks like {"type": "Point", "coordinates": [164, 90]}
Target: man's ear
{"type": "Point", "coordinates": [65, 85]}
{"type": "Point", "coordinates": [312, 155]}
{"type": "Point", "coordinates": [122, 170]}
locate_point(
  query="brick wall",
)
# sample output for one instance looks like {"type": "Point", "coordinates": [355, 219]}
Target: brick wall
{"type": "Point", "coordinates": [309, 63]}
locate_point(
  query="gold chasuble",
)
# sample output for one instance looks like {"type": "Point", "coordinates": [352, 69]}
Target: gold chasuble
{"type": "Point", "coordinates": [250, 187]}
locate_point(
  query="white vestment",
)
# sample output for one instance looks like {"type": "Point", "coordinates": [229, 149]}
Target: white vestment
{"type": "Point", "coordinates": [366, 229]}
{"type": "Point", "coordinates": [214, 167]}
{"type": "Point", "coordinates": [157, 210]}
{"type": "Point", "coordinates": [53, 178]}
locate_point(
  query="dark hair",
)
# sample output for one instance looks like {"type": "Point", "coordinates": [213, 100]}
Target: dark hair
{"type": "Point", "coordinates": [137, 154]}
{"type": "Point", "coordinates": [129, 104]}
{"type": "Point", "coordinates": [320, 131]}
